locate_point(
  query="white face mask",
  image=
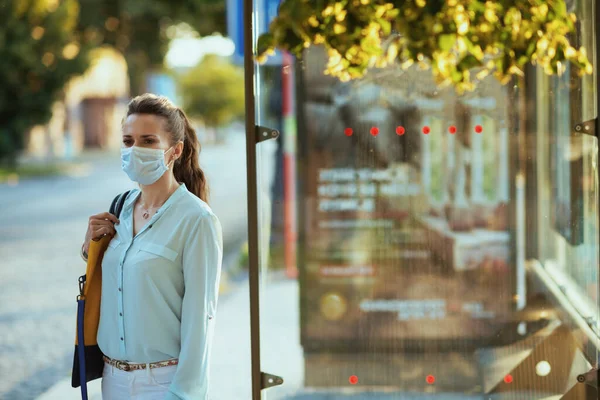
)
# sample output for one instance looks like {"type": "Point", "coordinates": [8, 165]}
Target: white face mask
{"type": "Point", "coordinates": [143, 165]}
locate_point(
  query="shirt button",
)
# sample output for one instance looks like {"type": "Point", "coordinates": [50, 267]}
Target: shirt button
{"type": "Point", "coordinates": [121, 314]}
{"type": "Point", "coordinates": [149, 226]}
{"type": "Point", "coordinates": [121, 338]}
{"type": "Point", "coordinates": [119, 289]}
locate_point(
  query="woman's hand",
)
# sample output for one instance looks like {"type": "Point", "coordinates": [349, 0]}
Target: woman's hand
{"type": "Point", "coordinates": [99, 225]}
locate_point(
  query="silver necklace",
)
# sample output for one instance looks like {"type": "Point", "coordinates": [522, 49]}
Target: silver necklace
{"type": "Point", "coordinates": [146, 211]}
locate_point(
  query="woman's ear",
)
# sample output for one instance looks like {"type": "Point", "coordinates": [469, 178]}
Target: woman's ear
{"type": "Point", "coordinates": [179, 149]}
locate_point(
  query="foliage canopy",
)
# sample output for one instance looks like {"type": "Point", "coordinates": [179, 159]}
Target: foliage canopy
{"type": "Point", "coordinates": [40, 52]}
{"type": "Point", "coordinates": [462, 41]}
{"type": "Point", "coordinates": [214, 91]}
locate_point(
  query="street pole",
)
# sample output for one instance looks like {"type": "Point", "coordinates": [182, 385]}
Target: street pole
{"type": "Point", "coordinates": [253, 249]}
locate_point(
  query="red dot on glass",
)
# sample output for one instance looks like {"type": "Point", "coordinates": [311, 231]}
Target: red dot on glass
{"type": "Point", "coordinates": [478, 129]}
{"type": "Point", "coordinates": [426, 130]}
{"type": "Point", "coordinates": [430, 379]}
{"type": "Point", "coordinates": [452, 129]}
{"type": "Point", "coordinates": [348, 131]}
{"type": "Point", "coordinates": [353, 379]}
{"type": "Point", "coordinates": [374, 131]}
{"type": "Point", "coordinates": [508, 378]}
{"type": "Point", "coordinates": [400, 130]}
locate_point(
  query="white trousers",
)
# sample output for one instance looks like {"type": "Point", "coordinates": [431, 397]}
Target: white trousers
{"type": "Point", "coordinates": [141, 384]}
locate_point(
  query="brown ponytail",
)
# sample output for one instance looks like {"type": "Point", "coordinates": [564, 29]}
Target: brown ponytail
{"type": "Point", "coordinates": [187, 167]}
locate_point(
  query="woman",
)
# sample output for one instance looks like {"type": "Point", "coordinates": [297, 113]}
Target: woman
{"type": "Point", "coordinates": [162, 268]}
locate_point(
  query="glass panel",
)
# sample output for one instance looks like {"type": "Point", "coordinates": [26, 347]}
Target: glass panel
{"type": "Point", "coordinates": [411, 217]}
{"type": "Point", "coordinates": [568, 174]}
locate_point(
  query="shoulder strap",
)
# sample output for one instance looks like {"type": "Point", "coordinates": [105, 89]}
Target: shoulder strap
{"type": "Point", "coordinates": [117, 203]}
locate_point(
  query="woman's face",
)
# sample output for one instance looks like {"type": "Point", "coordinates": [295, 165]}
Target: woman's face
{"type": "Point", "coordinates": [146, 130]}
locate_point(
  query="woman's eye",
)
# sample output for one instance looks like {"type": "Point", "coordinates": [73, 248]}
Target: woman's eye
{"type": "Point", "coordinates": [129, 142]}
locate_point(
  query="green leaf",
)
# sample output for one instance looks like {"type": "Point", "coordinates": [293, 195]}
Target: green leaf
{"type": "Point", "coordinates": [468, 62]}
{"type": "Point", "coordinates": [456, 76]}
{"type": "Point", "coordinates": [386, 26]}
{"type": "Point", "coordinates": [265, 42]}
{"type": "Point", "coordinates": [446, 42]}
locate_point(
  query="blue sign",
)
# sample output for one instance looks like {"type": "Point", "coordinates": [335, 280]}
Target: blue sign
{"type": "Point", "coordinates": [162, 85]}
{"type": "Point", "coordinates": [264, 12]}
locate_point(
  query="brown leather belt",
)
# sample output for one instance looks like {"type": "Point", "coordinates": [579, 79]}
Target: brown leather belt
{"type": "Point", "coordinates": [125, 366]}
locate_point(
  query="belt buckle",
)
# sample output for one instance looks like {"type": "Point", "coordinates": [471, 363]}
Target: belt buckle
{"type": "Point", "coordinates": [123, 365]}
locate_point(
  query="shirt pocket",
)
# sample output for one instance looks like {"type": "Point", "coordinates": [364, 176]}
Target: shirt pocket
{"type": "Point", "coordinates": [150, 251]}
{"type": "Point", "coordinates": [114, 243]}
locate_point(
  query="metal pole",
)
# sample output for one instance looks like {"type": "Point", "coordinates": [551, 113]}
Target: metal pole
{"type": "Point", "coordinates": [252, 200]}
{"type": "Point", "coordinates": [595, 62]}
{"type": "Point", "coordinates": [289, 165]}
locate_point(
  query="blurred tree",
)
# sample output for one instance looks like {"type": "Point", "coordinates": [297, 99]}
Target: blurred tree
{"type": "Point", "coordinates": [454, 38]}
{"type": "Point", "coordinates": [40, 51]}
{"type": "Point", "coordinates": [214, 91]}
{"type": "Point", "coordinates": [139, 29]}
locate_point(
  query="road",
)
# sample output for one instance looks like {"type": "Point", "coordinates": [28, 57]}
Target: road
{"type": "Point", "coordinates": [42, 226]}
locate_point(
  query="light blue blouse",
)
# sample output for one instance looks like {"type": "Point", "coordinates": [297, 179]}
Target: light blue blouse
{"type": "Point", "coordinates": [160, 290]}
